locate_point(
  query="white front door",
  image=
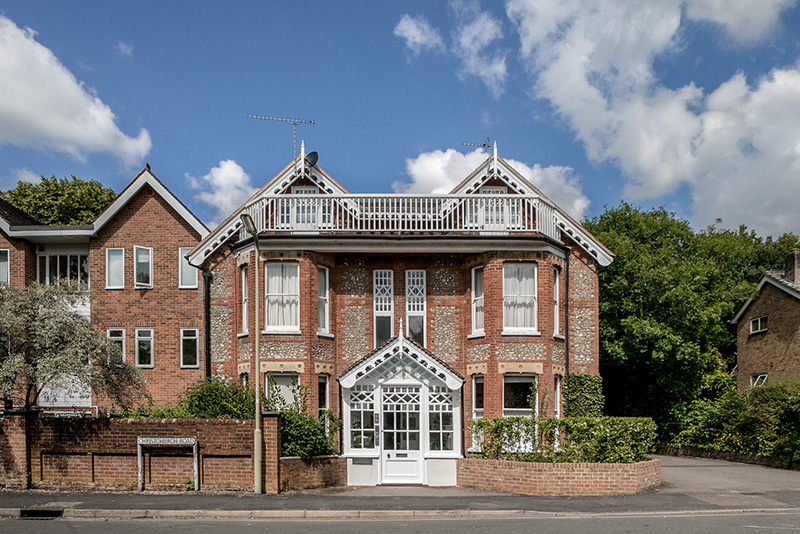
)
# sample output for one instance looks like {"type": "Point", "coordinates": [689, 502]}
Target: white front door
{"type": "Point", "coordinates": [401, 455]}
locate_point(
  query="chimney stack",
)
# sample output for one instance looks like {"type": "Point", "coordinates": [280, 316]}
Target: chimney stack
{"type": "Point", "coordinates": [792, 269]}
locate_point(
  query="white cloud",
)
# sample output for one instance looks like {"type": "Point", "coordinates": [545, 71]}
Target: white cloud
{"type": "Point", "coordinates": [44, 107]}
{"type": "Point", "coordinates": [225, 188]}
{"type": "Point", "coordinates": [744, 20]}
{"type": "Point", "coordinates": [737, 147]}
{"type": "Point", "coordinates": [19, 175]}
{"type": "Point", "coordinates": [475, 31]}
{"type": "Point", "coordinates": [439, 172]}
{"type": "Point", "coordinates": [124, 49]}
{"type": "Point", "coordinates": [419, 35]}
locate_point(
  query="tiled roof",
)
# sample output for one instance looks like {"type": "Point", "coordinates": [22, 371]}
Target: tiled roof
{"type": "Point", "coordinates": [15, 216]}
{"type": "Point", "coordinates": [779, 276]}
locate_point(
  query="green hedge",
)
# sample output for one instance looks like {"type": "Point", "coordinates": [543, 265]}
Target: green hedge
{"type": "Point", "coordinates": [583, 395]}
{"type": "Point", "coordinates": [760, 421]}
{"type": "Point", "coordinates": [572, 439]}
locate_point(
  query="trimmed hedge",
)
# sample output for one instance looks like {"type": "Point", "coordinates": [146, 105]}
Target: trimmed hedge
{"type": "Point", "coordinates": [583, 395]}
{"type": "Point", "coordinates": [572, 439]}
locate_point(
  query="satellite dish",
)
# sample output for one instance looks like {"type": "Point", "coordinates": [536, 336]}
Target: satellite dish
{"type": "Point", "coordinates": [311, 159]}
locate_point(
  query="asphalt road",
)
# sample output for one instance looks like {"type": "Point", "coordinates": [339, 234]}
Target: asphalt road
{"type": "Point", "coordinates": [727, 523]}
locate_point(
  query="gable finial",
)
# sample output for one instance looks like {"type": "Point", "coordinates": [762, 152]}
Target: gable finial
{"type": "Point", "coordinates": [302, 157]}
{"type": "Point", "coordinates": [400, 335]}
{"type": "Point", "coordinates": [494, 157]}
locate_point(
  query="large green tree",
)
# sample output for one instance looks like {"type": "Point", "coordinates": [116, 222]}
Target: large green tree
{"type": "Point", "coordinates": [665, 303]}
{"type": "Point", "coordinates": [46, 343]}
{"type": "Point", "coordinates": [61, 201]}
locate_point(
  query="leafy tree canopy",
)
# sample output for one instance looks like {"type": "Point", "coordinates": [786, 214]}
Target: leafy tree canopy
{"type": "Point", "coordinates": [45, 343]}
{"type": "Point", "coordinates": [665, 303]}
{"type": "Point", "coordinates": [61, 201]}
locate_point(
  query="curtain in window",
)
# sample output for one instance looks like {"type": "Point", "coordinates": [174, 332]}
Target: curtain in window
{"type": "Point", "coordinates": [519, 290]}
{"type": "Point", "coordinates": [477, 300]}
{"type": "Point", "coordinates": [283, 295]}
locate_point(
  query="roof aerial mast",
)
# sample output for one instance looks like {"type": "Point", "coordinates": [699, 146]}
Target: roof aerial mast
{"type": "Point", "coordinates": [486, 145]}
{"type": "Point", "coordinates": [293, 122]}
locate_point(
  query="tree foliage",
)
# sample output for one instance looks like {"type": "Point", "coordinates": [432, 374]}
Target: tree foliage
{"type": "Point", "coordinates": [44, 343]}
{"type": "Point", "coordinates": [665, 303]}
{"type": "Point", "coordinates": [61, 201]}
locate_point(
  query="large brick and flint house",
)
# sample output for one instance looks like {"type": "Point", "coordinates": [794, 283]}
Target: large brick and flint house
{"type": "Point", "coordinates": [408, 315]}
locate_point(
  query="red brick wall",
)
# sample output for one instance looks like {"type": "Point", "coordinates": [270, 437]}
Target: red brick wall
{"type": "Point", "coordinates": [147, 220]}
{"type": "Point", "coordinates": [320, 472]}
{"type": "Point", "coordinates": [534, 478]}
{"type": "Point", "coordinates": [69, 452]}
{"type": "Point", "coordinates": [21, 260]}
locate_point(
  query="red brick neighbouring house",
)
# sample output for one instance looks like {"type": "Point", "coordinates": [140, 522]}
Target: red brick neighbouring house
{"type": "Point", "coordinates": [768, 329]}
{"type": "Point", "coordinates": [408, 315]}
{"type": "Point", "coordinates": [144, 294]}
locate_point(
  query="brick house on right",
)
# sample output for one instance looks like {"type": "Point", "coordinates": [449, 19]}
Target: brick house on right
{"type": "Point", "coordinates": [768, 329]}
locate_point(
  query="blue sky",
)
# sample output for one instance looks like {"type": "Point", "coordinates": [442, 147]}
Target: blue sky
{"type": "Point", "coordinates": [694, 105]}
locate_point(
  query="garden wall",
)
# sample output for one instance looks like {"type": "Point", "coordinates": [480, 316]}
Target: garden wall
{"type": "Point", "coordinates": [102, 453]}
{"type": "Point", "coordinates": [318, 472]}
{"type": "Point", "coordinates": [564, 479]}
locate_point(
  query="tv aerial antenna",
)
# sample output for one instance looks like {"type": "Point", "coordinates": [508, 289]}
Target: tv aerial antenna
{"type": "Point", "coordinates": [486, 145]}
{"type": "Point", "coordinates": [294, 122]}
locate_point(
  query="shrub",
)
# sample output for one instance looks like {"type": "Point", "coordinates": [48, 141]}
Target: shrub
{"type": "Point", "coordinates": [572, 439]}
{"type": "Point", "coordinates": [760, 421]}
{"type": "Point", "coordinates": [583, 395]}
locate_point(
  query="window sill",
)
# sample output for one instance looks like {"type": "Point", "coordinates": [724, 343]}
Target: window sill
{"type": "Point", "coordinates": [476, 335]}
{"type": "Point", "coordinates": [190, 366]}
{"type": "Point", "coordinates": [758, 332]}
{"type": "Point", "coordinates": [559, 336]}
{"type": "Point", "coordinates": [243, 334]}
{"type": "Point", "coordinates": [187, 287]}
{"type": "Point", "coordinates": [282, 332]}
{"type": "Point", "coordinates": [520, 333]}
{"type": "Point", "coordinates": [115, 288]}
{"type": "Point", "coordinates": [325, 334]}
{"type": "Point", "coordinates": [143, 287]}
{"type": "Point", "coordinates": [151, 366]}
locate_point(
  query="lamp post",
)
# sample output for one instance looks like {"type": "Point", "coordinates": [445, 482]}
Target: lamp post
{"type": "Point", "coordinates": [247, 221]}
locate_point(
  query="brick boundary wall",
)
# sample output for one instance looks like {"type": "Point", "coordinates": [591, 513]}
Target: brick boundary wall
{"type": "Point", "coordinates": [559, 479]}
{"type": "Point", "coordinates": [319, 472]}
{"type": "Point", "coordinates": [69, 453]}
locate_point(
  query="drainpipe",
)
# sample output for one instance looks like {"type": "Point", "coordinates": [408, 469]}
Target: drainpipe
{"type": "Point", "coordinates": [207, 279]}
{"type": "Point", "coordinates": [463, 422]}
{"type": "Point", "coordinates": [566, 327]}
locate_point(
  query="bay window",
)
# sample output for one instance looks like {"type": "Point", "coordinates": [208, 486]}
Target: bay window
{"type": "Point", "coordinates": [519, 298]}
{"type": "Point", "coordinates": [282, 299]}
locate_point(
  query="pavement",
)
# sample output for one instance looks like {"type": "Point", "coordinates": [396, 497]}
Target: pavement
{"type": "Point", "coordinates": [690, 485]}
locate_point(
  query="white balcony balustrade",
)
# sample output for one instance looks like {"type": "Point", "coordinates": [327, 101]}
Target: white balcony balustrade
{"type": "Point", "coordinates": [404, 214]}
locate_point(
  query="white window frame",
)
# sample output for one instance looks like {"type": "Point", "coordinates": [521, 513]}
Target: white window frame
{"type": "Point", "coordinates": [382, 309]}
{"type": "Point", "coordinates": [557, 380]}
{"type": "Point", "coordinates": [758, 324]}
{"type": "Point", "coordinates": [475, 298]}
{"type": "Point", "coordinates": [758, 379]}
{"type": "Point", "coordinates": [184, 261]}
{"type": "Point", "coordinates": [415, 311]}
{"type": "Point", "coordinates": [140, 337]}
{"type": "Point", "coordinates": [196, 338]}
{"type": "Point", "coordinates": [136, 283]}
{"type": "Point", "coordinates": [115, 338]}
{"type": "Point", "coordinates": [515, 329]}
{"type": "Point", "coordinates": [108, 271]}
{"type": "Point", "coordinates": [325, 405]}
{"type": "Point", "coordinates": [516, 379]}
{"type": "Point", "coordinates": [323, 301]}
{"type": "Point", "coordinates": [288, 328]}
{"type": "Point", "coordinates": [71, 272]}
{"type": "Point", "coordinates": [557, 301]}
{"type": "Point", "coordinates": [5, 273]}
{"type": "Point", "coordinates": [243, 299]}
{"type": "Point", "coordinates": [268, 391]}
{"type": "Point", "coordinates": [305, 213]}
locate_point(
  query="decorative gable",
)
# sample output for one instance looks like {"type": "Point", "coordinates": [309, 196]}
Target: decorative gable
{"type": "Point", "coordinates": [401, 359]}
